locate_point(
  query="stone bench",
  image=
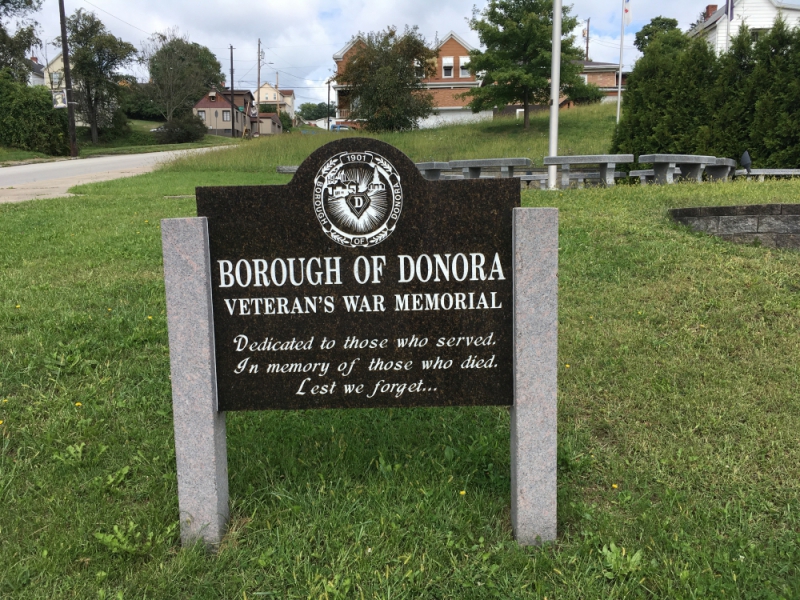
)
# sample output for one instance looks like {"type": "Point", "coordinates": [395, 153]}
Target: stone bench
{"type": "Point", "coordinates": [685, 166]}
{"type": "Point", "coordinates": [645, 175]}
{"type": "Point", "coordinates": [433, 170]}
{"type": "Point", "coordinates": [472, 168]}
{"type": "Point", "coordinates": [607, 163]}
{"type": "Point", "coordinates": [574, 176]}
{"type": "Point", "coordinates": [722, 170]}
{"type": "Point", "coordinates": [763, 173]}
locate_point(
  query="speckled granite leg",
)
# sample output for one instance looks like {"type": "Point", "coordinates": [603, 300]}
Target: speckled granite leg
{"type": "Point", "coordinates": [533, 416]}
{"type": "Point", "coordinates": [200, 449]}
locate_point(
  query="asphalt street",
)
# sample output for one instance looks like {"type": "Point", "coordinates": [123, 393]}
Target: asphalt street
{"type": "Point", "coordinates": [53, 179]}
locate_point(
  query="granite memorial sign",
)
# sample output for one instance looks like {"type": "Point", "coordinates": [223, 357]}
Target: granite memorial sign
{"type": "Point", "coordinates": [361, 284]}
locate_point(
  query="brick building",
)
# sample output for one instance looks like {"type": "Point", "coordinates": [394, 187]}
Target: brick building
{"type": "Point", "coordinates": [452, 79]}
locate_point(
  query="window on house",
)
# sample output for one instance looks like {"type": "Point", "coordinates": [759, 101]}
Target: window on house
{"type": "Point", "coordinates": [55, 79]}
{"type": "Point", "coordinates": [447, 66]}
{"type": "Point", "coordinates": [419, 72]}
{"type": "Point", "coordinates": [463, 65]}
{"type": "Point", "coordinates": [226, 115]}
{"type": "Point", "coordinates": [201, 114]}
{"type": "Point", "coordinates": [274, 96]}
{"type": "Point", "coordinates": [585, 77]}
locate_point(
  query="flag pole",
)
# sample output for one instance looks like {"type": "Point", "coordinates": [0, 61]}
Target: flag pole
{"type": "Point", "coordinates": [555, 93]}
{"type": "Point", "coordinates": [621, 41]}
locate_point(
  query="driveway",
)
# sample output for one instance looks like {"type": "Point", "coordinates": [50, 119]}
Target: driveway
{"type": "Point", "coordinates": [53, 179]}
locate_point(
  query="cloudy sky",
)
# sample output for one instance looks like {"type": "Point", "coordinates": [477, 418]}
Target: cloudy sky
{"type": "Point", "coordinates": [299, 37]}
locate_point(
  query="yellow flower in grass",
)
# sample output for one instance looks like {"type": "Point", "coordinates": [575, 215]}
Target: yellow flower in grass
{"type": "Point", "coordinates": [1, 422]}
{"type": "Point", "coordinates": [463, 492]}
{"type": "Point", "coordinates": [613, 486]}
{"type": "Point", "coordinates": [17, 306]}
{"type": "Point", "coordinates": [78, 404]}
{"type": "Point", "coordinates": [149, 317]}
{"type": "Point", "coordinates": [567, 366]}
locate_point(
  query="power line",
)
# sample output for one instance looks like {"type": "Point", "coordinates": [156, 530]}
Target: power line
{"type": "Point", "coordinates": [117, 18]}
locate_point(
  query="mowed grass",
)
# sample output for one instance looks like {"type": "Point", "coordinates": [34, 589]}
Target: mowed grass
{"type": "Point", "coordinates": [10, 155]}
{"type": "Point", "coordinates": [679, 421]}
{"type": "Point", "coordinates": [583, 130]}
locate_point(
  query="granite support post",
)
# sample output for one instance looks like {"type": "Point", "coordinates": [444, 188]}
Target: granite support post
{"type": "Point", "coordinates": [200, 448]}
{"type": "Point", "coordinates": [533, 415]}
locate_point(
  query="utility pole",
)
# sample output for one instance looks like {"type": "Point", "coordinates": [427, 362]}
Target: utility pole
{"type": "Point", "coordinates": [328, 107]}
{"type": "Point", "coordinates": [555, 93]}
{"type": "Point", "coordinates": [73, 141]}
{"type": "Point", "coordinates": [233, 103]}
{"type": "Point", "coordinates": [588, 21]}
{"type": "Point", "coordinates": [258, 90]}
{"type": "Point", "coordinates": [621, 41]}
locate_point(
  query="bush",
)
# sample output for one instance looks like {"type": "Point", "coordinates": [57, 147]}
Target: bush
{"type": "Point", "coordinates": [28, 120]}
{"type": "Point", "coordinates": [682, 98]}
{"type": "Point", "coordinates": [585, 93]}
{"type": "Point", "coordinates": [189, 128]}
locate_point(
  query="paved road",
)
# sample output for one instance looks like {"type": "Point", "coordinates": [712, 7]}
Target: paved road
{"type": "Point", "coordinates": [53, 179]}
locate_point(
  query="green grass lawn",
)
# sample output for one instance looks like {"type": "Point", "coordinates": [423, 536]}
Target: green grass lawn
{"type": "Point", "coordinates": [679, 416]}
{"type": "Point", "coordinates": [141, 140]}
{"type": "Point", "coordinates": [8, 155]}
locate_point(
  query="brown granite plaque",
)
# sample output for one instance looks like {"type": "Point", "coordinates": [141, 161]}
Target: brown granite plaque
{"type": "Point", "coordinates": [361, 284]}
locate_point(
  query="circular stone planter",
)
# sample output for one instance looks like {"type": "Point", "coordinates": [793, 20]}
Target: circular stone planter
{"type": "Point", "coordinates": [772, 225]}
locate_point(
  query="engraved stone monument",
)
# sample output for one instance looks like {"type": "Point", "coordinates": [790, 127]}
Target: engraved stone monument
{"type": "Point", "coordinates": [361, 284]}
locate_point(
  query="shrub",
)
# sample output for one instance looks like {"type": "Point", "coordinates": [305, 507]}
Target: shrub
{"type": "Point", "coordinates": [189, 128]}
{"type": "Point", "coordinates": [584, 93]}
{"type": "Point", "coordinates": [682, 98]}
{"type": "Point", "coordinates": [28, 120]}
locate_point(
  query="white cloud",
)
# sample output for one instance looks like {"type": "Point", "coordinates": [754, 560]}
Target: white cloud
{"type": "Point", "coordinates": [300, 37]}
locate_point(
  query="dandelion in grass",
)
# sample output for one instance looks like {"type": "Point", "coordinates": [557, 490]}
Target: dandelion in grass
{"type": "Point", "coordinates": [1, 422]}
{"type": "Point", "coordinates": [149, 317]}
{"type": "Point", "coordinates": [566, 366]}
{"type": "Point", "coordinates": [614, 486]}
{"type": "Point", "coordinates": [78, 404]}
{"type": "Point", "coordinates": [109, 310]}
{"type": "Point", "coordinates": [17, 306]}
{"type": "Point", "coordinates": [463, 492]}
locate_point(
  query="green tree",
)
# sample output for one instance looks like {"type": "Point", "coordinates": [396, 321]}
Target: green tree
{"type": "Point", "coordinates": [29, 120]}
{"type": "Point", "coordinates": [96, 58]}
{"type": "Point", "coordinates": [515, 66]}
{"type": "Point", "coordinates": [311, 112]}
{"type": "Point", "coordinates": [384, 80]}
{"type": "Point", "coordinates": [734, 97]}
{"type": "Point", "coordinates": [775, 84]}
{"type": "Point", "coordinates": [181, 72]}
{"type": "Point", "coordinates": [15, 46]}
{"type": "Point", "coordinates": [655, 27]}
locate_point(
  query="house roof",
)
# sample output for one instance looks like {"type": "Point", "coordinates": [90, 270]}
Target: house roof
{"type": "Point", "coordinates": [340, 54]}
{"type": "Point", "coordinates": [287, 92]}
{"type": "Point", "coordinates": [450, 35]}
{"type": "Point", "coordinates": [35, 67]}
{"type": "Point", "coordinates": [453, 35]}
{"type": "Point", "coordinates": [273, 116]}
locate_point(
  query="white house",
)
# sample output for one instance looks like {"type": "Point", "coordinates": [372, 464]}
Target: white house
{"type": "Point", "coordinates": [758, 15]}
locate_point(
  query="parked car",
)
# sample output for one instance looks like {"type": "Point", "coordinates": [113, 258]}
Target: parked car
{"type": "Point", "coordinates": [340, 128]}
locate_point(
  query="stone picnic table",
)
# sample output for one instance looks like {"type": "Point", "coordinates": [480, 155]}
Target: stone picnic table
{"type": "Point", "coordinates": [763, 173]}
{"type": "Point", "coordinates": [686, 166]}
{"type": "Point", "coordinates": [607, 163]}
{"type": "Point", "coordinates": [472, 168]}
{"type": "Point", "coordinates": [433, 170]}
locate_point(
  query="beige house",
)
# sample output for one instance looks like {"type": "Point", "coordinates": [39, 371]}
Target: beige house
{"type": "Point", "coordinates": [269, 124]}
{"type": "Point", "coordinates": [215, 110]}
{"type": "Point", "coordinates": [283, 99]}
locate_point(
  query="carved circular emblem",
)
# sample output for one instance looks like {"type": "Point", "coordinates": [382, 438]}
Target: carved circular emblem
{"type": "Point", "coordinates": [358, 198]}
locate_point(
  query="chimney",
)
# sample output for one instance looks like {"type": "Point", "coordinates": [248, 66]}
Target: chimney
{"type": "Point", "coordinates": [34, 59]}
{"type": "Point", "coordinates": [710, 10]}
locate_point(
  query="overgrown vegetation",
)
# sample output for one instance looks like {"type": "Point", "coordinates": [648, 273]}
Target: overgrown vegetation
{"type": "Point", "coordinates": [29, 121]}
{"type": "Point", "coordinates": [683, 98]}
{"type": "Point", "coordinates": [187, 128]}
{"type": "Point", "coordinates": [678, 457]}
